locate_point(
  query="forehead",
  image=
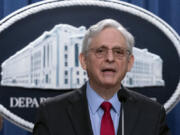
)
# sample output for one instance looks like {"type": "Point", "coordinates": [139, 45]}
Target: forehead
{"type": "Point", "coordinates": [109, 37]}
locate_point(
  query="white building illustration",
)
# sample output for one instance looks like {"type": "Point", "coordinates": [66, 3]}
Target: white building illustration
{"type": "Point", "coordinates": [51, 61]}
{"type": "Point", "coordinates": [146, 71]}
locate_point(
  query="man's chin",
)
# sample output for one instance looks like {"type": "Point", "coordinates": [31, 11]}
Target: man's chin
{"type": "Point", "coordinates": [109, 84]}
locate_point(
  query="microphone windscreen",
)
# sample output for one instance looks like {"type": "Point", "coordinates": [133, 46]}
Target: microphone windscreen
{"type": "Point", "coordinates": [122, 95]}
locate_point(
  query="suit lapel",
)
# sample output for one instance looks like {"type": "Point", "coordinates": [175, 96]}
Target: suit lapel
{"type": "Point", "coordinates": [79, 113]}
{"type": "Point", "coordinates": [130, 114]}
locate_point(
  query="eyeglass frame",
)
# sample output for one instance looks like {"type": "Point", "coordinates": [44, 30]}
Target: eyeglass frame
{"type": "Point", "coordinates": [114, 50]}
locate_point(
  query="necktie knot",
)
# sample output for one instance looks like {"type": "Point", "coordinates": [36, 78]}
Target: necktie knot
{"type": "Point", "coordinates": [106, 106]}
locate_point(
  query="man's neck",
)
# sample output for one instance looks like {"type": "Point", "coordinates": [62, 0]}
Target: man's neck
{"type": "Point", "coordinates": [106, 92]}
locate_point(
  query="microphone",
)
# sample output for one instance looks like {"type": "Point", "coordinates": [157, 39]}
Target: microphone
{"type": "Point", "coordinates": [122, 96]}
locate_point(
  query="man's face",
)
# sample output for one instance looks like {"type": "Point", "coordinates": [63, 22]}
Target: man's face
{"type": "Point", "coordinates": [105, 67]}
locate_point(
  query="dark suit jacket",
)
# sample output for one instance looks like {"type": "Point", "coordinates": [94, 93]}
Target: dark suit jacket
{"type": "Point", "coordinates": [68, 114]}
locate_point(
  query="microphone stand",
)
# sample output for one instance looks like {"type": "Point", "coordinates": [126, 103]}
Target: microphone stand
{"type": "Point", "coordinates": [122, 121]}
{"type": "Point", "coordinates": [122, 95]}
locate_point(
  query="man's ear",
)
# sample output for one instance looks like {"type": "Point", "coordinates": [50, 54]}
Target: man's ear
{"type": "Point", "coordinates": [130, 62]}
{"type": "Point", "coordinates": [82, 59]}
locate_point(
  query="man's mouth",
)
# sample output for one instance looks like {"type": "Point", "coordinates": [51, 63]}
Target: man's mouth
{"type": "Point", "coordinates": [108, 70]}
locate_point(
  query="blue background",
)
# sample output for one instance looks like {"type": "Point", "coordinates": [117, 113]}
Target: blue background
{"type": "Point", "coordinates": [168, 10]}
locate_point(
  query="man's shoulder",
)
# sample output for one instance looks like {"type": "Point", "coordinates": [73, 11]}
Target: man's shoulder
{"type": "Point", "coordinates": [142, 99]}
{"type": "Point", "coordinates": [63, 99]}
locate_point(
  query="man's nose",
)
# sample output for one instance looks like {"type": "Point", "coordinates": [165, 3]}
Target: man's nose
{"type": "Point", "coordinates": [110, 56]}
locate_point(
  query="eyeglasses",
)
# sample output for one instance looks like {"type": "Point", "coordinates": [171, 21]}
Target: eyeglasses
{"type": "Point", "coordinates": [117, 52]}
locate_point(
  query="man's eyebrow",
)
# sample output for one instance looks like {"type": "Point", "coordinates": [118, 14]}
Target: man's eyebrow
{"type": "Point", "coordinates": [102, 46]}
{"type": "Point", "coordinates": [115, 47]}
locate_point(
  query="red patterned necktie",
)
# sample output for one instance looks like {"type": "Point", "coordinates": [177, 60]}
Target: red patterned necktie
{"type": "Point", "coordinates": [107, 127]}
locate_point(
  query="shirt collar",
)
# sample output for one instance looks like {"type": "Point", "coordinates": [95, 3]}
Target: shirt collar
{"type": "Point", "coordinates": [94, 100]}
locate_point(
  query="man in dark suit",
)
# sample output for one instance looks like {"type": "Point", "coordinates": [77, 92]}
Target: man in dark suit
{"type": "Point", "coordinates": [103, 106]}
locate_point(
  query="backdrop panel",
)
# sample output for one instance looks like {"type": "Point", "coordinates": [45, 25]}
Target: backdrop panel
{"type": "Point", "coordinates": [26, 26]}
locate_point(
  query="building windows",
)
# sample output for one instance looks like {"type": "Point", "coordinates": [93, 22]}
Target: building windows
{"type": "Point", "coordinates": [65, 60]}
{"type": "Point", "coordinates": [36, 82]}
{"type": "Point", "coordinates": [65, 48]}
{"type": "Point", "coordinates": [65, 81]}
{"type": "Point", "coordinates": [76, 55]}
{"type": "Point", "coordinates": [78, 81]}
{"type": "Point", "coordinates": [85, 73]}
{"type": "Point", "coordinates": [47, 79]}
{"type": "Point", "coordinates": [66, 73]}
{"type": "Point", "coordinates": [66, 64]}
{"type": "Point", "coordinates": [44, 56]}
{"type": "Point", "coordinates": [65, 56]}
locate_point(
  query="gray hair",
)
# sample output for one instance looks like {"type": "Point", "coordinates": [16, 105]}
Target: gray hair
{"type": "Point", "coordinates": [97, 28]}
